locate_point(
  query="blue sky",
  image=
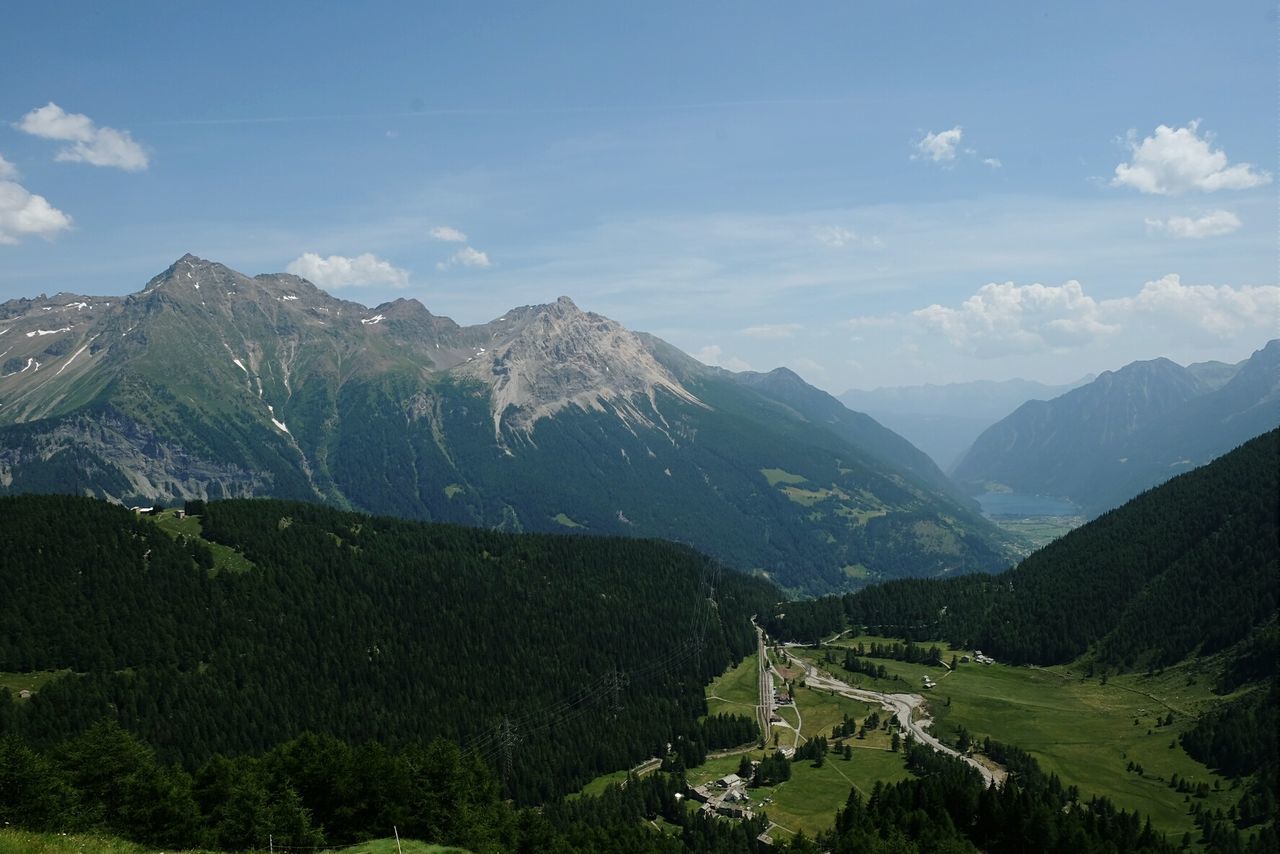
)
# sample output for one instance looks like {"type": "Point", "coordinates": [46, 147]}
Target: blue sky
{"type": "Point", "coordinates": [871, 195]}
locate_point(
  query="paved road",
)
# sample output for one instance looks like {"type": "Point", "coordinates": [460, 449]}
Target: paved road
{"type": "Point", "coordinates": [901, 706]}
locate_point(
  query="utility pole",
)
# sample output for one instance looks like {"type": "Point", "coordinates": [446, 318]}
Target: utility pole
{"type": "Point", "coordinates": [508, 738]}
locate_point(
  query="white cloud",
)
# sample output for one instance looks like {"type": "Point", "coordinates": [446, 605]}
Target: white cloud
{"type": "Point", "coordinates": [772, 330]}
{"type": "Point", "coordinates": [8, 171]}
{"type": "Point", "coordinates": [448, 234]}
{"type": "Point", "coordinates": [339, 271]}
{"type": "Point", "coordinates": [940, 146]}
{"type": "Point", "coordinates": [1001, 319]}
{"type": "Point", "coordinates": [1176, 161]}
{"type": "Point", "coordinates": [838, 237]}
{"type": "Point", "coordinates": [24, 214]}
{"type": "Point", "coordinates": [1019, 320]}
{"type": "Point", "coordinates": [713, 355]}
{"type": "Point", "coordinates": [1216, 313]}
{"type": "Point", "coordinates": [1212, 224]}
{"type": "Point", "coordinates": [993, 162]}
{"type": "Point", "coordinates": [465, 257]}
{"type": "Point", "coordinates": [835, 235]}
{"type": "Point", "coordinates": [99, 146]}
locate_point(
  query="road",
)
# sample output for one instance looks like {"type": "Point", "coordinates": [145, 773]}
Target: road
{"type": "Point", "coordinates": [902, 706]}
{"type": "Point", "coordinates": [764, 709]}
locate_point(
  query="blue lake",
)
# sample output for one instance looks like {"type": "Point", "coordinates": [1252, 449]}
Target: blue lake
{"type": "Point", "coordinates": [1015, 504]}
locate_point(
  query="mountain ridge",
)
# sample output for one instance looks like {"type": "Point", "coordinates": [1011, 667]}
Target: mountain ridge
{"type": "Point", "coordinates": [1128, 430]}
{"type": "Point", "coordinates": [211, 384]}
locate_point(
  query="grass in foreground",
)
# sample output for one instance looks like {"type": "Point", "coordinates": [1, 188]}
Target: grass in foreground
{"type": "Point", "coordinates": [26, 842]}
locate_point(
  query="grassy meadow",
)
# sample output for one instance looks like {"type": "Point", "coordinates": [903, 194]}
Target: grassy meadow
{"type": "Point", "coordinates": [1085, 730]}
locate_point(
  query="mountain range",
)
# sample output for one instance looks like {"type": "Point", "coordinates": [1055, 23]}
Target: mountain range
{"type": "Point", "coordinates": [211, 384]}
{"type": "Point", "coordinates": [1126, 431]}
{"type": "Point", "coordinates": [943, 420]}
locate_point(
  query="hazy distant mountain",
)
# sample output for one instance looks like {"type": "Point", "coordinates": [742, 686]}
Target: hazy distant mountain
{"type": "Point", "coordinates": [208, 383]}
{"type": "Point", "coordinates": [1128, 430]}
{"type": "Point", "coordinates": [944, 420]}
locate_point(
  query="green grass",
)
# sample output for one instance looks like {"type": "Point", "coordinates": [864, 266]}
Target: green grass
{"type": "Point", "coordinates": [566, 521]}
{"type": "Point", "coordinates": [821, 711]}
{"type": "Point", "coordinates": [1085, 732]}
{"type": "Point", "coordinates": [1080, 729]}
{"type": "Point", "coordinates": [810, 799]}
{"type": "Point", "coordinates": [452, 490]}
{"type": "Point", "coordinates": [777, 476]}
{"type": "Point", "coordinates": [33, 681]}
{"type": "Point", "coordinates": [599, 784]}
{"type": "Point", "coordinates": [861, 680]}
{"type": "Point", "coordinates": [735, 691]}
{"type": "Point", "coordinates": [1038, 531]}
{"type": "Point", "coordinates": [810, 497]}
{"type": "Point", "coordinates": [388, 846]}
{"type": "Point", "coordinates": [225, 559]}
{"type": "Point", "coordinates": [25, 842]}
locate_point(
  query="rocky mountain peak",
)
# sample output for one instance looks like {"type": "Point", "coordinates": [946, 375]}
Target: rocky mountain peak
{"type": "Point", "coordinates": [553, 356]}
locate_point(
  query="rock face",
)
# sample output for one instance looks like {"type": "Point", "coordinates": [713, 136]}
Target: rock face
{"type": "Point", "coordinates": [555, 356]}
{"type": "Point", "coordinates": [208, 383]}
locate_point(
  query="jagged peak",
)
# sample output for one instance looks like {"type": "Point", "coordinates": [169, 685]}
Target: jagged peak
{"type": "Point", "coordinates": [557, 355]}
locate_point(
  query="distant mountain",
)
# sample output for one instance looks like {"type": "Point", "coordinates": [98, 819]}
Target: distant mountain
{"type": "Point", "coordinates": [212, 384]}
{"type": "Point", "coordinates": [1127, 431]}
{"type": "Point", "coordinates": [1188, 568]}
{"type": "Point", "coordinates": [943, 420]}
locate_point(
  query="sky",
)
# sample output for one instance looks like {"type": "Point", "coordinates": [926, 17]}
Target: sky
{"type": "Point", "coordinates": [869, 194]}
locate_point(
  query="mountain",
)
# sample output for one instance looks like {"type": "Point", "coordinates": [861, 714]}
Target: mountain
{"type": "Point", "coordinates": [943, 420]}
{"type": "Point", "coordinates": [1187, 568]}
{"type": "Point", "coordinates": [1127, 431]}
{"type": "Point", "coordinates": [212, 384]}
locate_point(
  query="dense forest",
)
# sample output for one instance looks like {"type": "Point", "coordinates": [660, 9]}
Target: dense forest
{"type": "Point", "coordinates": [552, 658]}
{"type": "Point", "coordinates": [1192, 566]}
{"type": "Point", "coordinates": [318, 790]}
{"type": "Point", "coordinates": [948, 809]}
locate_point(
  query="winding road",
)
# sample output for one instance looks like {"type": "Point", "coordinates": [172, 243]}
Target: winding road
{"type": "Point", "coordinates": [901, 706]}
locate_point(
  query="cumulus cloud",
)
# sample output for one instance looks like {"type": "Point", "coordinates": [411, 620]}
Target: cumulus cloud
{"type": "Point", "coordinates": [8, 171]}
{"type": "Point", "coordinates": [339, 271]}
{"type": "Point", "coordinates": [24, 214]}
{"type": "Point", "coordinates": [713, 355]}
{"type": "Point", "coordinates": [1003, 319]}
{"type": "Point", "coordinates": [1212, 312]}
{"type": "Point", "coordinates": [1011, 320]}
{"type": "Point", "coordinates": [1174, 161]}
{"type": "Point", "coordinates": [940, 146]}
{"type": "Point", "coordinates": [448, 234]}
{"type": "Point", "coordinates": [465, 257]}
{"type": "Point", "coordinates": [90, 143]}
{"type": "Point", "coordinates": [1212, 224]}
{"type": "Point", "coordinates": [772, 330]}
{"type": "Point", "coordinates": [993, 162]}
